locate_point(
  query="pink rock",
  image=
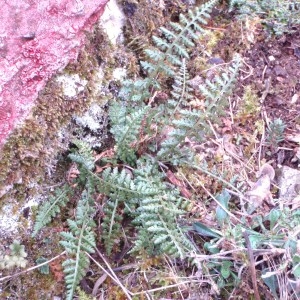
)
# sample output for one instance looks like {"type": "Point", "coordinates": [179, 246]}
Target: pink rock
{"type": "Point", "coordinates": [36, 39]}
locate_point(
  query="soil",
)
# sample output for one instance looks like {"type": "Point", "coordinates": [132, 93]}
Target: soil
{"type": "Point", "coordinates": [271, 68]}
{"type": "Point", "coordinates": [275, 69]}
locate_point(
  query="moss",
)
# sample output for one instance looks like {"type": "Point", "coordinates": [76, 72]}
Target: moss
{"type": "Point", "coordinates": [30, 148]}
{"type": "Point", "coordinates": [250, 105]}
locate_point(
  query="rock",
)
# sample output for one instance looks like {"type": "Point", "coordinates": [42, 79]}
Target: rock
{"type": "Point", "coordinates": [288, 180]}
{"type": "Point", "coordinates": [37, 38]}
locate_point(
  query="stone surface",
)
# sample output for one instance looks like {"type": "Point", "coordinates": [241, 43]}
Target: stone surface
{"type": "Point", "coordinates": [37, 38]}
{"type": "Point", "coordinates": [288, 180]}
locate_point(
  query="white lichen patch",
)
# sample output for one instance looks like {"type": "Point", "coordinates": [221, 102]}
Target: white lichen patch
{"type": "Point", "coordinates": [72, 85]}
{"type": "Point", "coordinates": [112, 21]}
{"type": "Point", "coordinates": [8, 220]}
{"type": "Point", "coordinates": [98, 81]}
{"type": "Point", "coordinates": [92, 124]}
{"type": "Point", "coordinates": [11, 223]}
{"type": "Point", "coordinates": [92, 118]}
{"type": "Point", "coordinates": [119, 74]}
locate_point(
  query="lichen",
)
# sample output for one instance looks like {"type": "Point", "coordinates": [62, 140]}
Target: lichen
{"type": "Point", "coordinates": [27, 155]}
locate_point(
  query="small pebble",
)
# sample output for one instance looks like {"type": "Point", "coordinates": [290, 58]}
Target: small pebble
{"type": "Point", "coordinates": [295, 98]}
{"type": "Point", "coordinates": [271, 58]}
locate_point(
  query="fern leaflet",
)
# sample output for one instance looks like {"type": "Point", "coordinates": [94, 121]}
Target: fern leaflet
{"type": "Point", "coordinates": [158, 213]}
{"type": "Point", "coordinates": [51, 208]}
{"type": "Point", "coordinates": [79, 240]}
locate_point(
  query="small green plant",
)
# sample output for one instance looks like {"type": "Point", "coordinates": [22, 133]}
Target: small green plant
{"type": "Point", "coordinates": [15, 258]}
{"type": "Point", "coordinates": [275, 134]}
{"type": "Point", "coordinates": [51, 208]}
{"type": "Point", "coordinates": [44, 269]}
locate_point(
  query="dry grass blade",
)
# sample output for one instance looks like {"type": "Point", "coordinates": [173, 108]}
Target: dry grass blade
{"type": "Point", "coordinates": [110, 273]}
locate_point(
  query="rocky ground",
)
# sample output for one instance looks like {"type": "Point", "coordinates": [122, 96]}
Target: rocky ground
{"type": "Point", "coordinates": [267, 89]}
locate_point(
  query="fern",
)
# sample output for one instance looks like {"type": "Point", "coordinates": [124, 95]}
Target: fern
{"type": "Point", "coordinates": [116, 184]}
{"type": "Point", "coordinates": [158, 213]}
{"type": "Point", "coordinates": [170, 49]}
{"type": "Point", "coordinates": [140, 191]}
{"type": "Point", "coordinates": [166, 56]}
{"type": "Point", "coordinates": [120, 189]}
{"type": "Point", "coordinates": [51, 208]}
{"type": "Point", "coordinates": [77, 242]}
{"type": "Point", "coordinates": [111, 224]}
{"type": "Point", "coordinates": [275, 133]}
{"type": "Point", "coordinates": [84, 155]}
{"type": "Point", "coordinates": [176, 41]}
{"type": "Point", "coordinates": [125, 129]}
{"type": "Point", "coordinates": [192, 124]}
{"type": "Point", "coordinates": [181, 92]}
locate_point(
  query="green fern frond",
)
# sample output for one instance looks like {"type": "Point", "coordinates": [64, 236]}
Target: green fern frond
{"type": "Point", "coordinates": [51, 208]}
{"type": "Point", "coordinates": [120, 189]}
{"type": "Point", "coordinates": [116, 185]}
{"type": "Point", "coordinates": [111, 224]}
{"type": "Point", "coordinates": [126, 131]}
{"type": "Point", "coordinates": [192, 123]}
{"type": "Point", "coordinates": [221, 86]}
{"type": "Point", "coordinates": [158, 213]}
{"type": "Point", "coordinates": [181, 92]}
{"type": "Point", "coordinates": [275, 133]}
{"type": "Point", "coordinates": [173, 45]}
{"type": "Point", "coordinates": [77, 242]}
{"type": "Point", "coordinates": [84, 155]}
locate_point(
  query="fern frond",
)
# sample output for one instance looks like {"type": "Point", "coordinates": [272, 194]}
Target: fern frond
{"type": "Point", "coordinates": [182, 92]}
{"type": "Point", "coordinates": [192, 124]}
{"type": "Point", "coordinates": [158, 213]}
{"type": "Point", "coordinates": [77, 242]}
{"type": "Point", "coordinates": [120, 188]}
{"type": "Point", "coordinates": [51, 208]}
{"type": "Point", "coordinates": [179, 38]}
{"type": "Point", "coordinates": [83, 155]}
{"type": "Point", "coordinates": [116, 185]}
{"type": "Point", "coordinates": [126, 131]}
{"type": "Point", "coordinates": [173, 45]}
{"type": "Point", "coordinates": [221, 86]}
{"type": "Point", "coordinates": [111, 225]}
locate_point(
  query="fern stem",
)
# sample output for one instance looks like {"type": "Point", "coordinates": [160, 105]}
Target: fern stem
{"type": "Point", "coordinates": [112, 219]}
